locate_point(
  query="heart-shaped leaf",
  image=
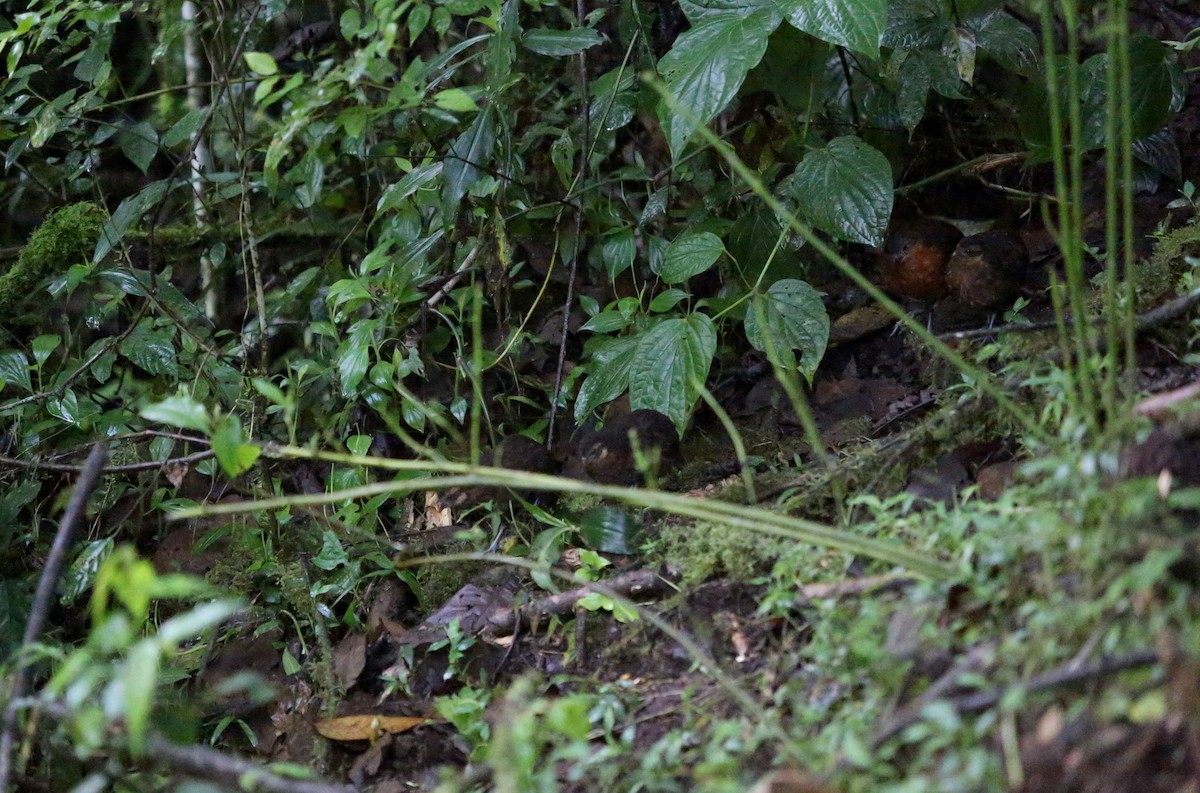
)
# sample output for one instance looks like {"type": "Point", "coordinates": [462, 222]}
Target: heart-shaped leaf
{"type": "Point", "coordinates": [671, 357]}
{"type": "Point", "coordinates": [790, 316]}
{"type": "Point", "coordinates": [845, 189]}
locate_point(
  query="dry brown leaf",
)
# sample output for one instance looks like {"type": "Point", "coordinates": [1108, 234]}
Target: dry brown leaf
{"type": "Point", "coordinates": [366, 727]}
{"type": "Point", "coordinates": [349, 659]}
{"type": "Point", "coordinates": [436, 513]}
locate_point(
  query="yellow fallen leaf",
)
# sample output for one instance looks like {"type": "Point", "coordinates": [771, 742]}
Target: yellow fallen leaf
{"type": "Point", "coordinates": [366, 727]}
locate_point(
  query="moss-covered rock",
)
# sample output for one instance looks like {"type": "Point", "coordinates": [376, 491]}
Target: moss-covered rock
{"type": "Point", "coordinates": [67, 236]}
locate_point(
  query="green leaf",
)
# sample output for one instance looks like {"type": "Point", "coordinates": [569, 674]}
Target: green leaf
{"type": "Point", "coordinates": [455, 100]}
{"type": "Point", "coordinates": [671, 358]}
{"type": "Point", "coordinates": [1150, 84]}
{"type": "Point", "coordinates": [845, 189]}
{"type": "Point", "coordinates": [102, 365]}
{"type": "Point", "coordinates": [395, 194]}
{"type": "Point", "coordinates": [918, 73]}
{"type": "Point", "coordinates": [608, 321]}
{"type": "Point", "coordinates": [1008, 41]}
{"type": "Point", "coordinates": [139, 143]}
{"type": "Point", "coordinates": [418, 18]}
{"type": "Point", "coordinates": [359, 444]}
{"type": "Point", "coordinates": [43, 347]}
{"type": "Point", "coordinates": [180, 411]}
{"type": "Point", "coordinates": [139, 678]}
{"type": "Point", "coordinates": [608, 374]}
{"type": "Point", "coordinates": [608, 529]}
{"type": "Point", "coordinates": [558, 43]}
{"type": "Point", "coordinates": [332, 553]}
{"type": "Point", "coordinates": [269, 391]}
{"type": "Point", "coordinates": [185, 128]}
{"type": "Point", "coordinates": [667, 300]}
{"type": "Point", "coordinates": [152, 349]}
{"type": "Point", "coordinates": [855, 24]}
{"type": "Point", "coordinates": [229, 445]}
{"type": "Point", "coordinates": [793, 315]}
{"type": "Point", "coordinates": [617, 251]}
{"type": "Point", "coordinates": [261, 63]}
{"type": "Point", "coordinates": [127, 214]}
{"type": "Point", "coordinates": [82, 572]}
{"type": "Point", "coordinates": [65, 407]}
{"type": "Point", "coordinates": [707, 64]}
{"type": "Point", "coordinates": [471, 150]}
{"type": "Point", "coordinates": [354, 354]}
{"type": "Point", "coordinates": [690, 254]}
{"type": "Point", "coordinates": [14, 368]}
{"type": "Point", "coordinates": [195, 621]}
{"type": "Point", "coordinates": [916, 25]}
{"type": "Point", "coordinates": [308, 176]}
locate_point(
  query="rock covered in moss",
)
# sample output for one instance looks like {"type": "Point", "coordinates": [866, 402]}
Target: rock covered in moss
{"type": "Point", "coordinates": [66, 237]}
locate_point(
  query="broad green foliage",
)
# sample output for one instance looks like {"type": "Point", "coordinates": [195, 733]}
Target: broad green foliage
{"type": "Point", "coordinates": [845, 189]}
{"type": "Point", "coordinates": [789, 316]}
{"type": "Point", "coordinates": [389, 215]}
{"type": "Point", "coordinates": [1154, 84]}
{"type": "Point", "coordinates": [413, 141]}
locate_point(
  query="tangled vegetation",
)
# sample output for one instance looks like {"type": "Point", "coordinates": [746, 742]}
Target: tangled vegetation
{"type": "Point", "coordinates": [506, 395]}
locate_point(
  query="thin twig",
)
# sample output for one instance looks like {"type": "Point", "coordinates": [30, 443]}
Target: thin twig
{"type": "Point", "coordinates": [1154, 318]}
{"type": "Point", "coordinates": [126, 468]}
{"type": "Point", "coordinates": [635, 585]}
{"type": "Point", "coordinates": [979, 701]}
{"type": "Point", "coordinates": [453, 280]}
{"type": "Point", "coordinates": [76, 509]}
{"type": "Point", "coordinates": [229, 771]}
{"type": "Point", "coordinates": [585, 119]}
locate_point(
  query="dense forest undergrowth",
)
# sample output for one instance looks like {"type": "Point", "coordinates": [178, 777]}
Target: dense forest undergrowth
{"type": "Point", "coordinates": [772, 395]}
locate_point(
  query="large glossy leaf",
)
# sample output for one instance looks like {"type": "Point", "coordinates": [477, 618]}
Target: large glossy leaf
{"type": "Point", "coordinates": [854, 24]}
{"type": "Point", "coordinates": [919, 72]}
{"type": "Point", "coordinates": [845, 189]}
{"type": "Point", "coordinates": [1007, 40]}
{"type": "Point", "coordinates": [671, 357]}
{"type": "Point", "coordinates": [617, 251]}
{"type": "Point", "coordinates": [916, 24]}
{"type": "Point", "coordinates": [790, 316]}
{"type": "Point", "coordinates": [706, 66]}
{"type": "Point", "coordinates": [608, 529]}
{"type": "Point", "coordinates": [1150, 98]}
{"type": "Point", "coordinates": [1150, 84]}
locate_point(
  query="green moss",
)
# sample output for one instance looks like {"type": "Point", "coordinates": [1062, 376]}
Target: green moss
{"type": "Point", "coordinates": [1171, 251]}
{"type": "Point", "coordinates": [66, 237]}
{"type": "Point", "coordinates": [703, 550]}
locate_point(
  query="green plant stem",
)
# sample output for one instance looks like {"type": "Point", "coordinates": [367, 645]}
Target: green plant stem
{"type": "Point", "coordinates": [464, 475]}
{"type": "Point", "coordinates": [735, 437]}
